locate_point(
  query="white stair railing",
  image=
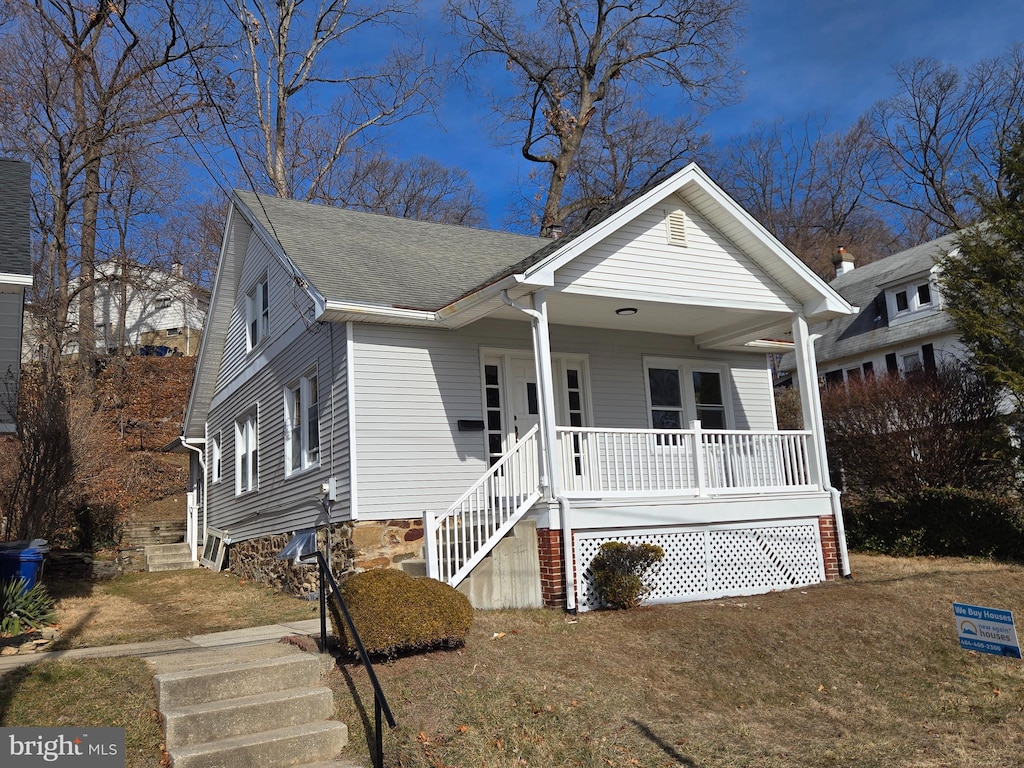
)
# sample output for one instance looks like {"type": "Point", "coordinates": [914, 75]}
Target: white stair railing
{"type": "Point", "coordinates": [459, 539]}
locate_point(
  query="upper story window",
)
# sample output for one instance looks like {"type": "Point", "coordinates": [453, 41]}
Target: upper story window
{"type": "Point", "coordinates": [247, 454]}
{"type": "Point", "coordinates": [682, 392]}
{"type": "Point", "coordinates": [257, 313]}
{"type": "Point", "coordinates": [163, 302]}
{"type": "Point", "coordinates": [909, 298]}
{"type": "Point", "coordinates": [302, 424]}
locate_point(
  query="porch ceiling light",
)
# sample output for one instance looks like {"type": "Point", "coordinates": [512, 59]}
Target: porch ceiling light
{"type": "Point", "coordinates": [626, 311]}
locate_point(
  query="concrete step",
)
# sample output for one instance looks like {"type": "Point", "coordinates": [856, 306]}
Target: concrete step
{"type": "Point", "coordinates": [167, 557]}
{"type": "Point", "coordinates": [175, 690]}
{"type": "Point", "coordinates": [215, 720]}
{"type": "Point", "coordinates": [181, 565]}
{"type": "Point", "coordinates": [194, 659]}
{"type": "Point", "coordinates": [156, 550]}
{"type": "Point", "coordinates": [416, 566]}
{"type": "Point", "coordinates": [290, 746]}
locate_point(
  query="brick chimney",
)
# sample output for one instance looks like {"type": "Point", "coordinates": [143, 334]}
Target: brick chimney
{"type": "Point", "coordinates": [552, 231]}
{"type": "Point", "coordinates": [842, 261]}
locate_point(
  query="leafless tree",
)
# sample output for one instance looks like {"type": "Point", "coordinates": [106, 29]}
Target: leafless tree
{"type": "Point", "coordinates": [288, 48]}
{"type": "Point", "coordinates": [939, 137]}
{"type": "Point", "coordinates": [569, 57]}
{"type": "Point", "coordinates": [420, 188]}
{"type": "Point", "coordinates": [807, 185]}
{"type": "Point", "coordinates": [82, 80]}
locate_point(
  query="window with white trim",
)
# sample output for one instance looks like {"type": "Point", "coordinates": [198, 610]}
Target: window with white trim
{"type": "Point", "coordinates": [302, 424]}
{"type": "Point", "coordinates": [909, 298]}
{"type": "Point", "coordinates": [682, 391]}
{"type": "Point", "coordinates": [247, 454]}
{"type": "Point", "coordinates": [257, 313]}
{"type": "Point", "coordinates": [163, 302]}
{"type": "Point", "coordinates": [215, 457]}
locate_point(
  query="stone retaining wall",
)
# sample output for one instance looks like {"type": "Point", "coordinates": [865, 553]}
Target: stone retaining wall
{"type": "Point", "coordinates": [256, 560]}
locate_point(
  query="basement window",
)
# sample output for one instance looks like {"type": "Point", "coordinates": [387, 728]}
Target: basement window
{"type": "Point", "coordinates": [214, 550]}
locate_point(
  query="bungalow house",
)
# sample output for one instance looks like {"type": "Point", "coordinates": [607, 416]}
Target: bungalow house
{"type": "Point", "coordinates": [490, 408]}
{"type": "Point", "coordinates": [15, 277]}
{"type": "Point", "coordinates": [900, 326]}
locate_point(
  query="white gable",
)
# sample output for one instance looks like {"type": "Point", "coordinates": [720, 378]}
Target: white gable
{"type": "Point", "coordinates": [671, 253]}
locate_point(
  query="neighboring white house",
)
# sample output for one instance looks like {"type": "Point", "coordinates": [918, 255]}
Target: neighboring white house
{"type": "Point", "coordinates": [15, 277]}
{"type": "Point", "coordinates": [163, 312]}
{"type": "Point", "coordinates": [900, 325]}
{"type": "Point", "coordinates": [492, 407]}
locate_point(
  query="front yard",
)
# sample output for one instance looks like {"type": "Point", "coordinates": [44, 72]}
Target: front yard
{"type": "Point", "coordinates": [862, 673]}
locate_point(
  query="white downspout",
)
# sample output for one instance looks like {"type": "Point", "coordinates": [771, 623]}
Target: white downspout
{"type": "Point", "coordinates": [810, 400]}
{"type": "Point", "coordinates": [549, 439]}
{"type": "Point", "coordinates": [201, 455]}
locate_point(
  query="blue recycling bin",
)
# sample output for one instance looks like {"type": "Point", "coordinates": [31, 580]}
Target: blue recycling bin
{"type": "Point", "coordinates": [23, 560]}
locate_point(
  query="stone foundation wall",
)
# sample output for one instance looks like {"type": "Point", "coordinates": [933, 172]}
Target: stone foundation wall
{"type": "Point", "coordinates": [386, 543]}
{"type": "Point", "coordinates": [256, 560]}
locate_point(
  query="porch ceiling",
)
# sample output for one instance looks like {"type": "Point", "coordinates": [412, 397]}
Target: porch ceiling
{"type": "Point", "coordinates": [712, 327]}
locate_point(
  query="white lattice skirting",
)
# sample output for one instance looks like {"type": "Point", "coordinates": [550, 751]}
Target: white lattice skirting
{"type": "Point", "coordinates": [707, 562]}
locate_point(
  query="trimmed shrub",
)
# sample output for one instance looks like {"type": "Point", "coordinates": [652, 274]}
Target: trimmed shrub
{"type": "Point", "coordinates": [22, 609]}
{"type": "Point", "coordinates": [956, 522]}
{"type": "Point", "coordinates": [398, 613]}
{"type": "Point", "coordinates": [620, 572]}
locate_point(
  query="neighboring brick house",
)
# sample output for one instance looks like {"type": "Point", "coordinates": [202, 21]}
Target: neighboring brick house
{"type": "Point", "coordinates": [900, 326]}
{"type": "Point", "coordinates": [15, 277]}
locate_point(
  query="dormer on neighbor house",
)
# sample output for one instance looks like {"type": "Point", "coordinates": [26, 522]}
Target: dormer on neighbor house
{"type": "Point", "coordinates": [900, 326]}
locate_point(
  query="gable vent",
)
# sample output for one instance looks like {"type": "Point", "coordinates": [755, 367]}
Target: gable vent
{"type": "Point", "coordinates": [675, 224]}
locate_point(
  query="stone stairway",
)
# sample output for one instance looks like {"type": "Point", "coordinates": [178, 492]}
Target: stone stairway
{"type": "Point", "coordinates": [169, 557]}
{"type": "Point", "coordinates": [259, 705]}
{"type": "Point", "coordinates": [144, 533]}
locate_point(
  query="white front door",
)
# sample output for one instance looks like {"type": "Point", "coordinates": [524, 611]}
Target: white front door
{"type": "Point", "coordinates": [525, 396]}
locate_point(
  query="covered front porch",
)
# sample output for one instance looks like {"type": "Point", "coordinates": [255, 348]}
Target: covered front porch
{"type": "Point", "coordinates": [720, 496]}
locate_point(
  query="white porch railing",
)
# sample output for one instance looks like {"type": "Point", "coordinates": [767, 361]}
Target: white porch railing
{"type": "Point", "coordinates": [638, 462]}
{"type": "Point", "coordinates": [461, 537]}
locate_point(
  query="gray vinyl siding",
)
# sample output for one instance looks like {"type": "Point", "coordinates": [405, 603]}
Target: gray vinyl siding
{"type": "Point", "coordinates": [10, 357]}
{"type": "Point", "coordinates": [284, 503]}
{"type": "Point", "coordinates": [412, 385]}
{"type": "Point", "coordinates": [638, 259]}
{"type": "Point", "coordinates": [286, 301]}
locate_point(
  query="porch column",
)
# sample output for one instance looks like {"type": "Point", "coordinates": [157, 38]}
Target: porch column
{"type": "Point", "coordinates": [546, 392]}
{"type": "Point", "coordinates": [810, 403]}
{"type": "Point", "coordinates": [810, 399]}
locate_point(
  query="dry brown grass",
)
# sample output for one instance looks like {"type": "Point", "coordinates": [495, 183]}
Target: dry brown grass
{"type": "Point", "coordinates": [152, 606]}
{"type": "Point", "coordinates": [861, 673]}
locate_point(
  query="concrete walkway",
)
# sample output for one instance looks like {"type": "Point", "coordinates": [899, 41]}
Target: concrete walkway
{"type": "Point", "coordinates": [231, 639]}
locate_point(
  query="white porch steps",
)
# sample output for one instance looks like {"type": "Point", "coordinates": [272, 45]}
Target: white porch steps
{"type": "Point", "coordinates": [169, 557]}
{"type": "Point", "coordinates": [259, 705]}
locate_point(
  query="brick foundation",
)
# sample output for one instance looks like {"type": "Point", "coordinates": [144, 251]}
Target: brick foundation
{"type": "Point", "coordinates": [829, 547]}
{"type": "Point", "coordinates": [552, 572]}
{"type": "Point", "coordinates": [256, 560]}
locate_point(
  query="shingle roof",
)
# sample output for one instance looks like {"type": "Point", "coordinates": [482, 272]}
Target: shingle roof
{"type": "Point", "coordinates": [863, 287]}
{"type": "Point", "coordinates": [15, 186]}
{"type": "Point", "coordinates": [367, 258]}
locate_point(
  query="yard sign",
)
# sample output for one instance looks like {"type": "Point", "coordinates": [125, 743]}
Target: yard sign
{"type": "Point", "coordinates": [989, 630]}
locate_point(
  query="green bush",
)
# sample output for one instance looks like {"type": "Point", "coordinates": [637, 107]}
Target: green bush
{"type": "Point", "coordinates": [22, 609]}
{"type": "Point", "coordinates": [620, 572]}
{"type": "Point", "coordinates": [937, 521]}
{"type": "Point", "coordinates": [397, 613]}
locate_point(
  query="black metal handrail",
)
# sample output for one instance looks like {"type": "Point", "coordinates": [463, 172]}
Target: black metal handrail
{"type": "Point", "coordinates": [380, 702]}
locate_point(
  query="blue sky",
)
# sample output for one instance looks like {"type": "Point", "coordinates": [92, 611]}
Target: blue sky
{"type": "Point", "coordinates": [800, 57]}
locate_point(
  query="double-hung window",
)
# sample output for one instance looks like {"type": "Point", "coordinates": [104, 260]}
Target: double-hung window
{"type": "Point", "coordinates": [247, 454]}
{"type": "Point", "coordinates": [215, 457]}
{"type": "Point", "coordinates": [257, 313]}
{"type": "Point", "coordinates": [682, 391]}
{"type": "Point", "coordinates": [302, 424]}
